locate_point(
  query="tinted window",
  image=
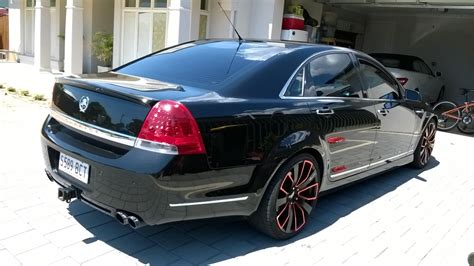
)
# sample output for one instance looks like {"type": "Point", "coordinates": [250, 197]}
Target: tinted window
{"type": "Point", "coordinates": [296, 85]}
{"type": "Point", "coordinates": [379, 84]}
{"type": "Point", "coordinates": [421, 67]}
{"type": "Point", "coordinates": [201, 65]}
{"type": "Point", "coordinates": [330, 75]}
{"type": "Point", "coordinates": [405, 62]}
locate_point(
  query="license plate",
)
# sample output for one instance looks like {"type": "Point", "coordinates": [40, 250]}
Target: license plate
{"type": "Point", "coordinates": [74, 168]}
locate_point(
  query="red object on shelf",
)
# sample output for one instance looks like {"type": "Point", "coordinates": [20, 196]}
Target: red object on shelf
{"type": "Point", "coordinates": [292, 22]}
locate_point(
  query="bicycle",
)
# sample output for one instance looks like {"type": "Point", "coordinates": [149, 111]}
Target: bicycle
{"type": "Point", "coordinates": [451, 115]}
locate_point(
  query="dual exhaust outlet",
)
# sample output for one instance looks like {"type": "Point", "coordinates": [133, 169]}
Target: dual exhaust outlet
{"type": "Point", "coordinates": [67, 194]}
{"type": "Point", "coordinates": [131, 220]}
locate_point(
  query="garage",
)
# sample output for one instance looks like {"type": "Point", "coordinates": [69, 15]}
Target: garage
{"type": "Point", "coordinates": [440, 32]}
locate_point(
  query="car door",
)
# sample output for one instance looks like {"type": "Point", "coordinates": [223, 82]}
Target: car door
{"type": "Point", "coordinates": [397, 120]}
{"type": "Point", "coordinates": [334, 93]}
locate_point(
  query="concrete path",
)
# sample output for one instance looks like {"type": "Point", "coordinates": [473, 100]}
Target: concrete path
{"type": "Point", "coordinates": [405, 217]}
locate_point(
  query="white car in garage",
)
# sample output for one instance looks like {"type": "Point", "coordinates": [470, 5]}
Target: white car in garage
{"type": "Point", "coordinates": [414, 74]}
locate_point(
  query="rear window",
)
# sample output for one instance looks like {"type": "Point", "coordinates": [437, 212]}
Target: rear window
{"type": "Point", "coordinates": [201, 65]}
{"type": "Point", "coordinates": [396, 61]}
{"type": "Point", "coordinates": [390, 62]}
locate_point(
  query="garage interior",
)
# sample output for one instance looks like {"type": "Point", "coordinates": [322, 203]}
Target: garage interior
{"type": "Point", "coordinates": [441, 32]}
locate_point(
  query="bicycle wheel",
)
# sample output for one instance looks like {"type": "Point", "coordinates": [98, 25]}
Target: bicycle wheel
{"type": "Point", "coordinates": [466, 125]}
{"type": "Point", "coordinates": [446, 115]}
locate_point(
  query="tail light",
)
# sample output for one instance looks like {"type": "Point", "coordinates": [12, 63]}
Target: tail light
{"type": "Point", "coordinates": [170, 128]}
{"type": "Point", "coordinates": [403, 81]}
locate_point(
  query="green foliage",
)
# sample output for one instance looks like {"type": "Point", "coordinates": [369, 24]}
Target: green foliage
{"type": "Point", "coordinates": [25, 93]}
{"type": "Point", "coordinates": [103, 47]}
{"type": "Point", "coordinates": [39, 97]}
{"type": "Point", "coordinates": [11, 89]}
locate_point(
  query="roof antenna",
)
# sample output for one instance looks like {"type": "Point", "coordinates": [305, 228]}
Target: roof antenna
{"type": "Point", "coordinates": [232, 24]}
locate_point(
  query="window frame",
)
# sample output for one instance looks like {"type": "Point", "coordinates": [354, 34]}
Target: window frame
{"type": "Point", "coordinates": [382, 69]}
{"type": "Point", "coordinates": [205, 12]}
{"type": "Point", "coordinates": [305, 65]}
{"type": "Point", "coordinates": [137, 10]}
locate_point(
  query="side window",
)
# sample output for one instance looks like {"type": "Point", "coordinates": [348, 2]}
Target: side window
{"type": "Point", "coordinates": [329, 75]}
{"type": "Point", "coordinates": [296, 86]}
{"type": "Point", "coordinates": [379, 84]}
{"type": "Point", "coordinates": [332, 75]}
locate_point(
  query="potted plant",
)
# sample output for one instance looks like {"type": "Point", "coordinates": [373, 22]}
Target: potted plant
{"type": "Point", "coordinates": [103, 48]}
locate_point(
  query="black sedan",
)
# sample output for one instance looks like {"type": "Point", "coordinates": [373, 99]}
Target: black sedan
{"type": "Point", "coordinates": [230, 128]}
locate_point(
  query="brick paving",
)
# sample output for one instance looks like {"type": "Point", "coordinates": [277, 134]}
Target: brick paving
{"type": "Point", "coordinates": [405, 217]}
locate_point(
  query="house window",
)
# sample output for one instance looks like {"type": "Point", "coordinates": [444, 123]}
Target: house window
{"type": "Point", "coordinates": [144, 3]}
{"type": "Point", "coordinates": [30, 3]}
{"type": "Point", "coordinates": [29, 26]}
{"type": "Point", "coordinates": [204, 19]}
{"type": "Point", "coordinates": [143, 28]}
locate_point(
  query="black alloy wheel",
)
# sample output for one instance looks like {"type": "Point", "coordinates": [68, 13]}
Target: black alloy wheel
{"type": "Point", "coordinates": [425, 146]}
{"type": "Point", "coordinates": [290, 198]}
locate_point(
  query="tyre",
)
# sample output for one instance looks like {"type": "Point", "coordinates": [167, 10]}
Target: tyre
{"type": "Point", "coordinates": [466, 125]}
{"type": "Point", "coordinates": [290, 197]}
{"type": "Point", "coordinates": [446, 121]}
{"type": "Point", "coordinates": [425, 146]}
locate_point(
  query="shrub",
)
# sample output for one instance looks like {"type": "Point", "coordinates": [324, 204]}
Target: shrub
{"type": "Point", "coordinates": [39, 97]}
{"type": "Point", "coordinates": [25, 93]}
{"type": "Point", "coordinates": [11, 89]}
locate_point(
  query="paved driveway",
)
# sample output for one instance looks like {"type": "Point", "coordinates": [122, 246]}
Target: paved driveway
{"type": "Point", "coordinates": [405, 217]}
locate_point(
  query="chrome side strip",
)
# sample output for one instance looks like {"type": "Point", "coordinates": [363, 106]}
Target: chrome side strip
{"type": "Point", "coordinates": [371, 165]}
{"type": "Point", "coordinates": [391, 158]}
{"type": "Point", "coordinates": [207, 202]}
{"type": "Point", "coordinates": [350, 171]}
{"type": "Point", "coordinates": [93, 129]}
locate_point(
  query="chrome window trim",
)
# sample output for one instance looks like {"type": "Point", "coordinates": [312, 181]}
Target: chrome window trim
{"type": "Point", "coordinates": [93, 129]}
{"type": "Point", "coordinates": [303, 64]}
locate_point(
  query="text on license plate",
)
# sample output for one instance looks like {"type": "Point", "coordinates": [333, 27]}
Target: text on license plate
{"type": "Point", "coordinates": [74, 168]}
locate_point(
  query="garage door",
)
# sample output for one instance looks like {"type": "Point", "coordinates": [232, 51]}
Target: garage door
{"type": "Point", "coordinates": [440, 32]}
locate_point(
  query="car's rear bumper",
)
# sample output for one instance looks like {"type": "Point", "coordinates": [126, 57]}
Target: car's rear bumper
{"type": "Point", "coordinates": [144, 184]}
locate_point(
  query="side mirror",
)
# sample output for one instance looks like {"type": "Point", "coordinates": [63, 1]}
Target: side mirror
{"type": "Point", "coordinates": [438, 74]}
{"type": "Point", "coordinates": [412, 95]}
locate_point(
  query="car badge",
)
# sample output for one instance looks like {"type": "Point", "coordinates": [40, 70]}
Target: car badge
{"type": "Point", "coordinates": [83, 104]}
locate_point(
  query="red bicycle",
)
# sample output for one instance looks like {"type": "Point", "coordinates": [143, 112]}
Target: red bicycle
{"type": "Point", "coordinates": [451, 115]}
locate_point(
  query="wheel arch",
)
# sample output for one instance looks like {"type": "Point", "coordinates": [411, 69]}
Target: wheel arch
{"type": "Point", "coordinates": [308, 150]}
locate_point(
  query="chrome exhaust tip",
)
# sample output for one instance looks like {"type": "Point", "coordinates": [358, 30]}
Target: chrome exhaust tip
{"type": "Point", "coordinates": [134, 222]}
{"type": "Point", "coordinates": [122, 218]}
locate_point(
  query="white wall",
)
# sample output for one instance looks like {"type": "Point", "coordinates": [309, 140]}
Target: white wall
{"type": "Point", "coordinates": [15, 26]}
{"type": "Point", "coordinates": [444, 38]}
{"type": "Point", "coordinates": [253, 19]}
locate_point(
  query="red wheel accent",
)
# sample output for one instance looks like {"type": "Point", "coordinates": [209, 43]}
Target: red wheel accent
{"type": "Point", "coordinates": [316, 189]}
{"type": "Point", "coordinates": [298, 191]}
{"type": "Point", "coordinates": [288, 175]}
{"type": "Point", "coordinates": [280, 225]}
{"type": "Point", "coordinates": [302, 214]}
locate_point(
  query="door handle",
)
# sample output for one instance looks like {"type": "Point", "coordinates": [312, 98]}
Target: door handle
{"type": "Point", "coordinates": [383, 112]}
{"type": "Point", "coordinates": [419, 111]}
{"type": "Point", "coordinates": [323, 111]}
